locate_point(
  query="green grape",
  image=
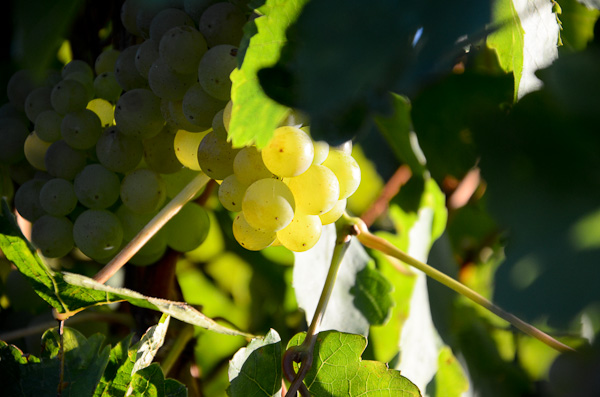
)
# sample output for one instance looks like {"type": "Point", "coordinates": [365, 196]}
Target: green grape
{"type": "Point", "coordinates": [186, 146]}
{"type": "Point", "coordinates": [27, 200]}
{"type": "Point", "coordinates": [302, 233]}
{"type": "Point", "coordinates": [85, 80]}
{"type": "Point", "coordinates": [214, 70]}
{"type": "Point", "coordinates": [167, 19]}
{"type": "Point", "coordinates": [159, 153]}
{"type": "Point", "coordinates": [98, 233]}
{"type": "Point", "coordinates": [81, 129]}
{"type": "Point", "coordinates": [218, 127]}
{"type": "Point", "coordinates": [77, 66]}
{"type": "Point", "coordinates": [138, 114]}
{"type": "Point", "coordinates": [181, 48]}
{"type": "Point", "coordinates": [53, 235]}
{"type": "Point", "coordinates": [346, 170]}
{"type": "Point", "coordinates": [103, 109]}
{"type": "Point", "coordinates": [143, 191]}
{"type": "Point", "coordinates": [118, 152]}
{"type": "Point", "coordinates": [199, 107]}
{"type": "Point", "coordinates": [188, 228]}
{"type": "Point", "coordinates": [9, 111]}
{"type": "Point", "coordinates": [321, 149]}
{"type": "Point", "coordinates": [62, 161]}
{"type": "Point", "coordinates": [37, 101]}
{"type": "Point", "coordinates": [222, 23]}
{"type": "Point", "coordinates": [167, 83]}
{"type": "Point", "coordinates": [227, 114]}
{"type": "Point", "coordinates": [145, 15]}
{"type": "Point", "coordinates": [178, 119]}
{"type": "Point", "coordinates": [69, 96]}
{"type": "Point", "coordinates": [268, 204]}
{"type": "Point", "coordinates": [47, 125]}
{"type": "Point", "coordinates": [129, 11]}
{"type": "Point", "coordinates": [335, 213]}
{"type": "Point", "coordinates": [97, 187]}
{"type": "Point", "coordinates": [35, 151]}
{"type": "Point", "coordinates": [145, 56]}
{"type": "Point", "coordinates": [316, 191]}
{"type": "Point", "coordinates": [20, 84]}
{"type": "Point", "coordinates": [195, 8]}
{"type": "Point", "coordinates": [143, 259]}
{"type": "Point", "coordinates": [107, 87]}
{"type": "Point", "coordinates": [133, 223]}
{"type": "Point", "coordinates": [21, 172]}
{"type": "Point", "coordinates": [216, 156]}
{"type": "Point", "coordinates": [105, 62]}
{"type": "Point", "coordinates": [57, 197]}
{"type": "Point", "coordinates": [289, 153]}
{"type": "Point", "coordinates": [249, 167]}
{"type": "Point", "coordinates": [13, 134]}
{"type": "Point", "coordinates": [251, 238]}
{"type": "Point", "coordinates": [231, 193]}
{"type": "Point", "coordinates": [125, 71]}
{"type": "Point", "coordinates": [176, 181]}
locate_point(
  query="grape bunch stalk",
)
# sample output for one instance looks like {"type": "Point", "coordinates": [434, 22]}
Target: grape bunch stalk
{"type": "Point", "coordinates": [96, 152]}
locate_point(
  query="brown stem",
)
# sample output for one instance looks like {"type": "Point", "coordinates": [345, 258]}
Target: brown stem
{"type": "Point", "coordinates": [390, 190]}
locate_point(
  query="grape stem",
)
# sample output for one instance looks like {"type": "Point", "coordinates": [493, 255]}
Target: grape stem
{"type": "Point", "coordinates": [377, 243]}
{"type": "Point", "coordinates": [303, 354]}
{"type": "Point", "coordinates": [159, 220]}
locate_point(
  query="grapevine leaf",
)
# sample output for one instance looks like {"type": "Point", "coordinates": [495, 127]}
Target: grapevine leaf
{"type": "Point", "coordinates": [508, 40]}
{"type": "Point", "coordinates": [151, 341]}
{"type": "Point", "coordinates": [387, 45]}
{"type": "Point", "coordinates": [151, 382]}
{"type": "Point", "coordinates": [338, 370]}
{"type": "Point", "coordinates": [255, 116]}
{"type": "Point", "coordinates": [255, 370]}
{"type": "Point", "coordinates": [551, 224]}
{"type": "Point", "coordinates": [347, 309]}
{"type": "Point", "coordinates": [577, 23]}
{"type": "Point", "coordinates": [179, 310]}
{"type": "Point", "coordinates": [118, 371]}
{"type": "Point", "coordinates": [84, 363]}
{"type": "Point", "coordinates": [450, 379]}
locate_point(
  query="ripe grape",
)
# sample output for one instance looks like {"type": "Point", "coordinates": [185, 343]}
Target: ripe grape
{"type": "Point", "coordinates": [97, 187]}
{"type": "Point", "coordinates": [178, 119]}
{"type": "Point", "coordinates": [188, 228]}
{"type": "Point", "coordinates": [176, 181]}
{"type": "Point", "coordinates": [335, 213]}
{"type": "Point", "coordinates": [57, 197]}
{"type": "Point", "coordinates": [133, 223]}
{"type": "Point", "coordinates": [302, 233]}
{"type": "Point", "coordinates": [125, 71]}
{"type": "Point", "coordinates": [321, 152]}
{"type": "Point", "coordinates": [35, 151]}
{"type": "Point", "coordinates": [268, 204]}
{"type": "Point", "coordinates": [81, 129]}
{"type": "Point", "coordinates": [181, 48]}
{"type": "Point", "coordinates": [118, 152]}
{"type": "Point", "coordinates": [186, 146]}
{"type": "Point", "coordinates": [316, 191]}
{"type": "Point", "coordinates": [218, 127]}
{"type": "Point", "coordinates": [231, 193]}
{"type": "Point", "coordinates": [138, 114]}
{"type": "Point", "coordinates": [107, 87]}
{"type": "Point", "coordinates": [69, 96]}
{"type": "Point", "coordinates": [37, 101]}
{"type": "Point", "coordinates": [77, 66]}
{"type": "Point", "coordinates": [199, 107]}
{"type": "Point", "coordinates": [27, 200]}
{"type": "Point", "coordinates": [103, 109]}
{"type": "Point", "coordinates": [159, 153]}
{"type": "Point", "coordinates": [143, 191]}
{"type": "Point", "coordinates": [62, 161]}
{"type": "Point", "coordinates": [346, 170]}
{"type": "Point", "coordinates": [20, 84]}
{"type": "Point", "coordinates": [251, 238]}
{"type": "Point", "coordinates": [53, 235]}
{"type": "Point", "coordinates": [215, 157]}
{"type": "Point", "coordinates": [105, 62]}
{"type": "Point", "coordinates": [222, 23]}
{"type": "Point", "coordinates": [145, 56]}
{"type": "Point", "coordinates": [214, 70]}
{"type": "Point", "coordinates": [47, 125]}
{"type": "Point", "coordinates": [167, 83]}
{"type": "Point", "coordinates": [289, 153]}
{"type": "Point", "coordinates": [249, 167]}
{"type": "Point", "coordinates": [98, 233]}
{"type": "Point", "coordinates": [167, 19]}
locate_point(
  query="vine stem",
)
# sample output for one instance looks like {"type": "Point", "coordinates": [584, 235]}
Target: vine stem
{"type": "Point", "coordinates": [374, 242]}
{"type": "Point", "coordinates": [159, 220]}
{"type": "Point", "coordinates": [304, 353]}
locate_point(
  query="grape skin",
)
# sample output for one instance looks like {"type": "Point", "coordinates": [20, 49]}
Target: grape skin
{"type": "Point", "coordinates": [302, 233]}
{"type": "Point", "coordinates": [98, 233]}
{"type": "Point", "coordinates": [316, 191]}
{"type": "Point", "coordinates": [251, 238]}
{"type": "Point", "coordinates": [268, 204]}
{"type": "Point", "coordinates": [53, 235]}
{"type": "Point", "coordinates": [346, 170]}
{"type": "Point", "coordinates": [289, 153]}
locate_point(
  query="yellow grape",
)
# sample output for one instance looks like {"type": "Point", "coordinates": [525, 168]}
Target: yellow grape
{"type": "Point", "coordinates": [301, 234]}
{"type": "Point", "coordinates": [289, 153]}
{"type": "Point", "coordinates": [268, 204]}
{"type": "Point", "coordinates": [231, 193]}
{"type": "Point", "coordinates": [346, 170]}
{"type": "Point", "coordinates": [335, 213]}
{"type": "Point", "coordinates": [316, 191]}
{"type": "Point", "coordinates": [249, 237]}
{"type": "Point", "coordinates": [186, 148]}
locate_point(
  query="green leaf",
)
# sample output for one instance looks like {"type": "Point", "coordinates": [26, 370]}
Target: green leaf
{"type": "Point", "coordinates": [338, 370]}
{"type": "Point", "coordinates": [256, 370]}
{"type": "Point", "coordinates": [577, 22]}
{"type": "Point", "coordinates": [84, 363]}
{"type": "Point", "coordinates": [118, 371]}
{"type": "Point", "coordinates": [398, 131]}
{"type": "Point", "coordinates": [354, 302]}
{"type": "Point", "coordinates": [255, 116]}
{"type": "Point", "coordinates": [508, 40]}
{"type": "Point", "coordinates": [150, 382]}
{"type": "Point", "coordinates": [450, 379]}
{"type": "Point", "coordinates": [151, 341]}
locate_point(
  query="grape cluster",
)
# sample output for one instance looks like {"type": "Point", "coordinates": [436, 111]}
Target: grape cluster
{"type": "Point", "coordinates": [97, 151]}
{"type": "Point", "coordinates": [285, 192]}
